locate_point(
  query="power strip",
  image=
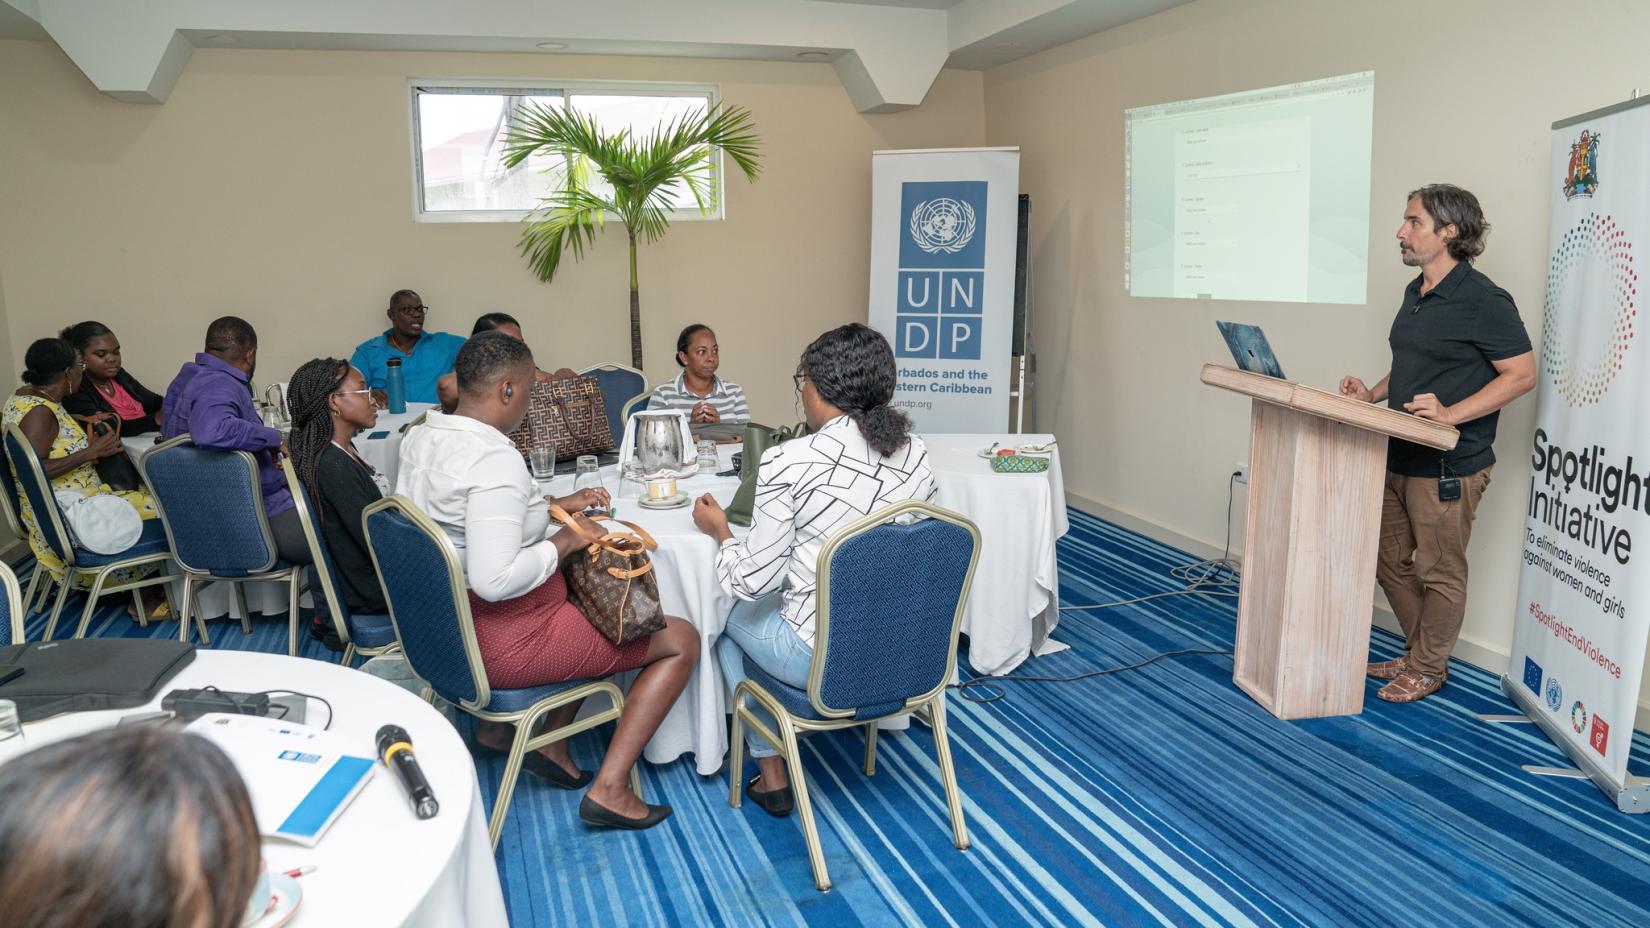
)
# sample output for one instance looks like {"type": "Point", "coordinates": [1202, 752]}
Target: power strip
{"type": "Point", "coordinates": [192, 704]}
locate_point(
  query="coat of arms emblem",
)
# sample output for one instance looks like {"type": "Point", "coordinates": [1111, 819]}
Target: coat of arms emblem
{"type": "Point", "coordinates": [1582, 178]}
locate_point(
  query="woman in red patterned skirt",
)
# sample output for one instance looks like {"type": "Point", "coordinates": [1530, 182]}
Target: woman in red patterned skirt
{"type": "Point", "coordinates": [462, 471]}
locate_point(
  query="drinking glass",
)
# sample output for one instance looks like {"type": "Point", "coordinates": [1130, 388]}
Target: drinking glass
{"type": "Point", "coordinates": [11, 730]}
{"type": "Point", "coordinates": [708, 462]}
{"type": "Point", "coordinates": [543, 463]}
{"type": "Point", "coordinates": [586, 473]}
{"type": "Point", "coordinates": [630, 481]}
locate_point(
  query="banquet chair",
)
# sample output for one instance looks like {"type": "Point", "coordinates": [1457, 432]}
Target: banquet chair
{"type": "Point", "coordinates": [619, 385]}
{"type": "Point", "coordinates": [636, 403]}
{"type": "Point", "coordinates": [885, 643]}
{"type": "Point", "coordinates": [213, 508]}
{"type": "Point", "coordinates": [366, 635]}
{"type": "Point", "coordinates": [150, 548]}
{"type": "Point", "coordinates": [11, 507]}
{"type": "Point", "coordinates": [11, 624]}
{"type": "Point", "coordinates": [430, 608]}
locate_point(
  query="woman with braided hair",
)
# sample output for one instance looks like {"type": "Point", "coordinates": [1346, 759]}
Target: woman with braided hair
{"type": "Point", "coordinates": [330, 403]}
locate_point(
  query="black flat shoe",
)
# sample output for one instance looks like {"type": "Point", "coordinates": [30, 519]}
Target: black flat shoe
{"type": "Point", "coordinates": [538, 765]}
{"type": "Point", "coordinates": [600, 816]}
{"type": "Point", "coordinates": [776, 802]}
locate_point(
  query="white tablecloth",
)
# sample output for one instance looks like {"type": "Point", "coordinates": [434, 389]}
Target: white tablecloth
{"type": "Point", "coordinates": [1015, 600]}
{"type": "Point", "coordinates": [1011, 608]}
{"type": "Point", "coordinates": [384, 454]}
{"type": "Point", "coordinates": [377, 864]}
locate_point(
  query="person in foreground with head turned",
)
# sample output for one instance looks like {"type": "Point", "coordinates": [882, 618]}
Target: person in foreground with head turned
{"type": "Point", "coordinates": [211, 400]}
{"type": "Point", "coordinates": [330, 405]}
{"type": "Point", "coordinates": [859, 458]}
{"type": "Point", "coordinates": [143, 827]}
{"type": "Point", "coordinates": [424, 356]}
{"type": "Point", "coordinates": [697, 391]}
{"type": "Point", "coordinates": [69, 454]}
{"type": "Point", "coordinates": [462, 471]}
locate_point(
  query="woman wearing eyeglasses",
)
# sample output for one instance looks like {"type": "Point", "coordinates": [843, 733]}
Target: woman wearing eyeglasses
{"type": "Point", "coordinates": [424, 356]}
{"type": "Point", "coordinates": [330, 404]}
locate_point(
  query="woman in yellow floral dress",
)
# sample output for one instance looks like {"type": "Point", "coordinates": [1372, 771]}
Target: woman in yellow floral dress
{"type": "Point", "coordinates": [67, 455]}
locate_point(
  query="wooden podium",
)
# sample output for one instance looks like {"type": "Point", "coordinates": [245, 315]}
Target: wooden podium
{"type": "Point", "coordinates": [1317, 471]}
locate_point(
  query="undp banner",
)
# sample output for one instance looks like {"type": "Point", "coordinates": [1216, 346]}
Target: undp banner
{"type": "Point", "coordinates": [1584, 591]}
{"type": "Point", "coordinates": [942, 281]}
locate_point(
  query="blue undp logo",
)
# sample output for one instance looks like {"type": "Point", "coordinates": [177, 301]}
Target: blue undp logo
{"type": "Point", "coordinates": [941, 269]}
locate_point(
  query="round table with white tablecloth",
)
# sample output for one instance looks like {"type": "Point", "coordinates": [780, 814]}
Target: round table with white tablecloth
{"type": "Point", "coordinates": [377, 864]}
{"type": "Point", "coordinates": [1012, 606]}
{"type": "Point", "coordinates": [380, 445]}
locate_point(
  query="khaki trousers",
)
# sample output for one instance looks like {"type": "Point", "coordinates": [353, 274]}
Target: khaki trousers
{"type": "Point", "coordinates": [1422, 563]}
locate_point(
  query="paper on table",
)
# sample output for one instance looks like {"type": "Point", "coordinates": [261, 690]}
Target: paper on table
{"type": "Point", "coordinates": [300, 777]}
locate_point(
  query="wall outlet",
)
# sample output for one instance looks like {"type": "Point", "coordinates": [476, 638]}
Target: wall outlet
{"type": "Point", "coordinates": [1241, 468]}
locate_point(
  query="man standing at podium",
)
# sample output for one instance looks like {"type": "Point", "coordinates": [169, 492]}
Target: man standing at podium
{"type": "Point", "coordinates": [1459, 354]}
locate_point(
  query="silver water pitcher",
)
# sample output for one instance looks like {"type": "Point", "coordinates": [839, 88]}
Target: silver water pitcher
{"type": "Point", "coordinates": [658, 446]}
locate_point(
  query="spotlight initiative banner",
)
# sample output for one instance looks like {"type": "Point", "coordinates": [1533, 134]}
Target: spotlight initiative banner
{"type": "Point", "coordinates": [1584, 590]}
{"type": "Point", "coordinates": [942, 280]}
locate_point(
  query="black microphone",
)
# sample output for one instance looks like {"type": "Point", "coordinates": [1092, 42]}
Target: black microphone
{"type": "Point", "coordinates": [395, 750]}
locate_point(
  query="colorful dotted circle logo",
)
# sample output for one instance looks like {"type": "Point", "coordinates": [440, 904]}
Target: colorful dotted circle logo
{"type": "Point", "coordinates": [1595, 250]}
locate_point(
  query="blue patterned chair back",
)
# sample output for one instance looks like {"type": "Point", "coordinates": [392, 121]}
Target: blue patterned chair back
{"type": "Point", "coordinates": [37, 494]}
{"type": "Point", "coordinates": [619, 384]}
{"type": "Point", "coordinates": [326, 572]}
{"type": "Point", "coordinates": [11, 623]}
{"type": "Point", "coordinates": [890, 604]}
{"type": "Point", "coordinates": [11, 497]}
{"type": "Point", "coordinates": [212, 506]}
{"type": "Point", "coordinates": [424, 587]}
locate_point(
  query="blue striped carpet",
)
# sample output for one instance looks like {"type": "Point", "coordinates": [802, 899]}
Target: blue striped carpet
{"type": "Point", "coordinates": [1161, 796]}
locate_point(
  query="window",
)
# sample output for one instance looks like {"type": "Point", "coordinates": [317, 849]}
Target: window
{"type": "Point", "coordinates": [458, 143]}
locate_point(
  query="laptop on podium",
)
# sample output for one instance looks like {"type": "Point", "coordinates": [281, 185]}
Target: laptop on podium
{"type": "Point", "coordinates": [1250, 349]}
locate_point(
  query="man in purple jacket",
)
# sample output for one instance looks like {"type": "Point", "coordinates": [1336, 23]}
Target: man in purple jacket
{"type": "Point", "coordinates": [211, 399]}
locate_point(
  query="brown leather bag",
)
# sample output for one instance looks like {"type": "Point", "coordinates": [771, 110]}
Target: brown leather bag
{"type": "Point", "coordinates": [568, 414]}
{"type": "Point", "coordinates": [611, 581]}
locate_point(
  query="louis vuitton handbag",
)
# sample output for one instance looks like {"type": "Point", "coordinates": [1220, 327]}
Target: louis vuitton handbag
{"type": "Point", "coordinates": [758, 439]}
{"type": "Point", "coordinates": [568, 414]}
{"type": "Point", "coordinates": [612, 583]}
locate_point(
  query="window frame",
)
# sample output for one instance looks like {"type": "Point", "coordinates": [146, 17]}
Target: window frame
{"type": "Point", "coordinates": [567, 90]}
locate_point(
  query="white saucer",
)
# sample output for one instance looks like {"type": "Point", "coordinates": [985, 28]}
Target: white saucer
{"type": "Point", "coordinates": [286, 897]}
{"type": "Point", "coordinates": [669, 502]}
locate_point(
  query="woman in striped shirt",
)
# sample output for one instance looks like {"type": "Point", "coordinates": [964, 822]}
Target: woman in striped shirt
{"type": "Point", "coordinates": [697, 391]}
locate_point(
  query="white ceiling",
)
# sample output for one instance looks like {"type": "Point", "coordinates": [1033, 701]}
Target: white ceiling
{"type": "Point", "coordinates": [886, 52]}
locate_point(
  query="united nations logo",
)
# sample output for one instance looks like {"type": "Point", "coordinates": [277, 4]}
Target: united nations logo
{"type": "Point", "coordinates": [1555, 694]}
{"type": "Point", "coordinates": [942, 225]}
{"type": "Point", "coordinates": [1578, 717]}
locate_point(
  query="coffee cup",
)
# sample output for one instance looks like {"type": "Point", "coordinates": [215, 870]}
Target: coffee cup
{"type": "Point", "coordinates": [663, 488]}
{"type": "Point", "coordinates": [263, 896]}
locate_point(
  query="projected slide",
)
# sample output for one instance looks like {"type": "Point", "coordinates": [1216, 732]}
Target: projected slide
{"type": "Point", "coordinates": [1261, 195]}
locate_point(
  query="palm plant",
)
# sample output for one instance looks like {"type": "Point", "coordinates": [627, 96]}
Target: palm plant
{"type": "Point", "coordinates": [642, 175]}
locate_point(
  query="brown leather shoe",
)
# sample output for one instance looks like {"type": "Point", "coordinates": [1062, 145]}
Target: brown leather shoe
{"type": "Point", "coordinates": [1410, 686]}
{"type": "Point", "coordinates": [1389, 670]}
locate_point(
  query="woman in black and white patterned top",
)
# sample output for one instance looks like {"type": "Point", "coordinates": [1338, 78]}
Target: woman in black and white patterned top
{"type": "Point", "coordinates": [859, 458]}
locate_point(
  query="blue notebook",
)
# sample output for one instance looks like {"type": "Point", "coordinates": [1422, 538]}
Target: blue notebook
{"type": "Point", "coordinates": [301, 778]}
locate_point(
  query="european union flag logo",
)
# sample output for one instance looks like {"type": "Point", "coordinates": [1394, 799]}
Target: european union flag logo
{"type": "Point", "coordinates": [1532, 676]}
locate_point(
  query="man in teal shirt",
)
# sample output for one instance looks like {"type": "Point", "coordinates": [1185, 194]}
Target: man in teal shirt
{"type": "Point", "coordinates": [425, 356]}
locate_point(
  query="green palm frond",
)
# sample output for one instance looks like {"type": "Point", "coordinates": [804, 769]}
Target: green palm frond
{"type": "Point", "coordinates": [643, 173]}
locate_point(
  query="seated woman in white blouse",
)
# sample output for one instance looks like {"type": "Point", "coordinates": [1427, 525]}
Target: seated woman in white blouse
{"type": "Point", "coordinates": [462, 471]}
{"type": "Point", "coordinates": [859, 458]}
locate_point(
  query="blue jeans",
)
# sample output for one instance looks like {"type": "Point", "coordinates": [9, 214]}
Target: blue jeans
{"type": "Point", "coordinates": [757, 632]}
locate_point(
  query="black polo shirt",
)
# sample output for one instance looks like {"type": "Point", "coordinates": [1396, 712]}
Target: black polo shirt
{"type": "Point", "coordinates": [1444, 343]}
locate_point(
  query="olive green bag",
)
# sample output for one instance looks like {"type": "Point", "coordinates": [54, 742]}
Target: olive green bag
{"type": "Point", "coordinates": [758, 439]}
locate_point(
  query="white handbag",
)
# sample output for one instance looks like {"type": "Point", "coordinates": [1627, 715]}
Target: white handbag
{"type": "Point", "coordinates": [102, 523]}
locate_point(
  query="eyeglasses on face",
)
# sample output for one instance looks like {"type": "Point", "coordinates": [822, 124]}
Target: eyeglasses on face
{"type": "Point", "coordinates": [419, 310]}
{"type": "Point", "coordinates": [797, 379]}
{"type": "Point", "coordinates": [352, 392]}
